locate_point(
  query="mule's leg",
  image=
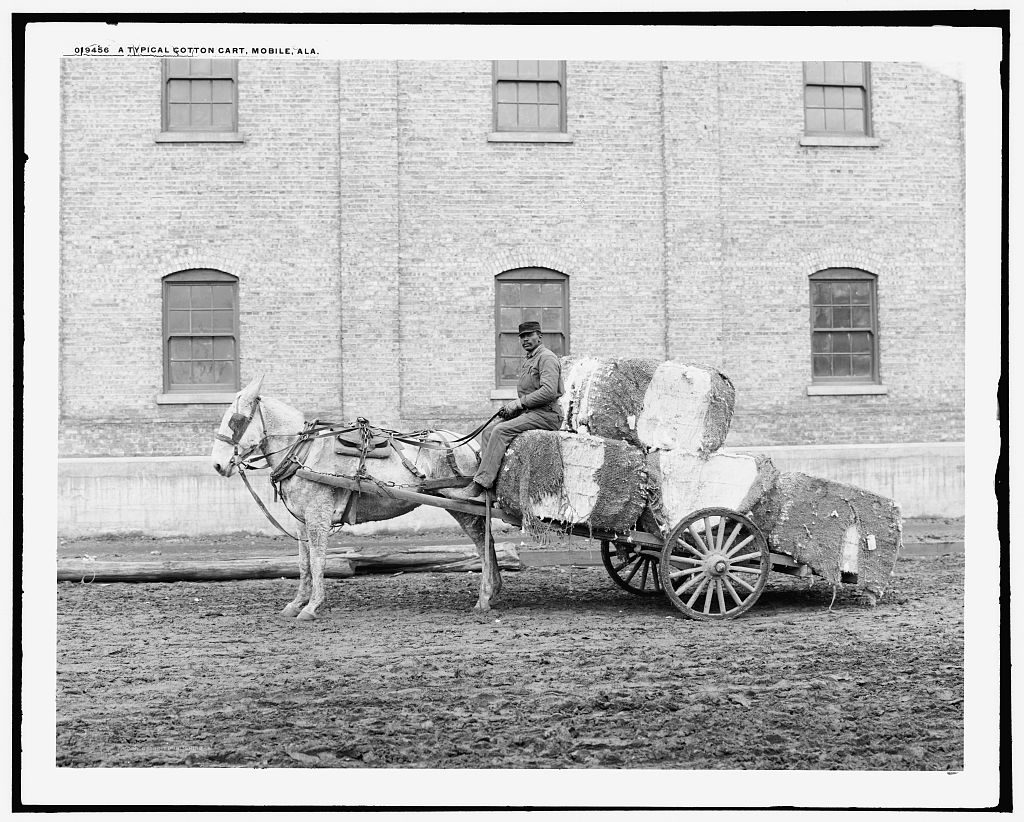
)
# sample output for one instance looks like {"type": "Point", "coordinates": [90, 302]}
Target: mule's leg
{"type": "Point", "coordinates": [490, 575]}
{"type": "Point", "coordinates": [318, 526]}
{"type": "Point", "coordinates": [302, 594]}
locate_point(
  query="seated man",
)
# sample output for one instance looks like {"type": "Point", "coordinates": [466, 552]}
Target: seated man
{"type": "Point", "coordinates": [540, 387]}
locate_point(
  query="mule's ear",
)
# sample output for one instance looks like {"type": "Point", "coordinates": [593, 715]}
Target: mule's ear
{"type": "Point", "coordinates": [253, 388]}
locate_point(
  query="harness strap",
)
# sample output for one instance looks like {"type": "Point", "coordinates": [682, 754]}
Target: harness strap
{"type": "Point", "coordinates": [263, 507]}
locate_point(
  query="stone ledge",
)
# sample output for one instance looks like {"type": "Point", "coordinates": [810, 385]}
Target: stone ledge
{"type": "Point", "coordinates": [530, 137]}
{"type": "Point", "coordinates": [840, 389]}
{"type": "Point", "coordinates": [200, 137]}
{"type": "Point", "coordinates": [837, 140]}
{"type": "Point", "coordinates": [213, 398]}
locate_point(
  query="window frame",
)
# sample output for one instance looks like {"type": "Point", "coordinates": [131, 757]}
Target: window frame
{"type": "Point", "coordinates": [840, 274]}
{"type": "Point", "coordinates": [496, 77]}
{"type": "Point", "coordinates": [190, 277]}
{"type": "Point", "coordinates": [824, 135]}
{"type": "Point", "coordinates": [529, 274]}
{"type": "Point", "coordinates": [212, 133]}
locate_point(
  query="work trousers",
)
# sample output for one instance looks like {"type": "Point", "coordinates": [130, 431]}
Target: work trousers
{"type": "Point", "coordinates": [495, 439]}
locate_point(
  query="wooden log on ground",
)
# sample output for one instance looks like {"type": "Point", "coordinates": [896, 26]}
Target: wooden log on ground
{"type": "Point", "coordinates": [340, 564]}
{"type": "Point", "coordinates": [835, 528]}
{"type": "Point", "coordinates": [648, 403]}
{"type": "Point", "coordinates": [573, 478]}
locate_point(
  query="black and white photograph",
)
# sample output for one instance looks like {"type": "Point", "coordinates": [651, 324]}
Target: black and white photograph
{"type": "Point", "coordinates": [508, 414]}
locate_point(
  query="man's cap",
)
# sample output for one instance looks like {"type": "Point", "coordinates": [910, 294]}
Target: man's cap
{"type": "Point", "coordinates": [529, 328]}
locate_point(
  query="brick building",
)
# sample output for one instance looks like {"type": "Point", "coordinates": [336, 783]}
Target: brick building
{"type": "Point", "coordinates": [365, 228]}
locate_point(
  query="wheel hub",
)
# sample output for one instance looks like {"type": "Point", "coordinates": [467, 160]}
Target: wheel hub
{"type": "Point", "coordinates": [716, 565]}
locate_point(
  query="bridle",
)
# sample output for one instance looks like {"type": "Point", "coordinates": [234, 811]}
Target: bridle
{"type": "Point", "coordinates": [239, 424]}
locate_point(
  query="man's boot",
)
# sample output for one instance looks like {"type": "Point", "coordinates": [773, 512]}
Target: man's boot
{"type": "Point", "coordinates": [474, 491]}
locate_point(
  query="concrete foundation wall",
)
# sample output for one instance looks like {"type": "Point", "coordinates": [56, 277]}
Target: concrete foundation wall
{"type": "Point", "coordinates": [182, 496]}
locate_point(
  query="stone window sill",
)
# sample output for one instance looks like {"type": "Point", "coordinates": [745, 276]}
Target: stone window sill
{"type": "Point", "coordinates": [507, 392]}
{"type": "Point", "coordinates": [839, 140]}
{"type": "Point", "coordinates": [839, 389]}
{"type": "Point", "coordinates": [529, 137]}
{"type": "Point", "coordinates": [200, 137]}
{"type": "Point", "coordinates": [186, 398]}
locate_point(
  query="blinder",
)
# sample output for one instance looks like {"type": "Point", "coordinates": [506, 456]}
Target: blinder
{"type": "Point", "coordinates": [238, 424]}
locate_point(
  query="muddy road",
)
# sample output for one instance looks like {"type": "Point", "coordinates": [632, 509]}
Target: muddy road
{"type": "Point", "coordinates": [567, 672]}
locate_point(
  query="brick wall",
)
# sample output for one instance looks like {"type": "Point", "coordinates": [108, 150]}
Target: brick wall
{"type": "Point", "coordinates": [366, 216]}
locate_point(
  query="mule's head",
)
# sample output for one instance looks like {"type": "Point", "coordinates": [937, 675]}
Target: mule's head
{"type": "Point", "coordinates": [241, 430]}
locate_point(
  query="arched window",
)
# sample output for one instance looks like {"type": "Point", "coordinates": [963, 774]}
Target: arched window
{"type": "Point", "coordinates": [200, 331]}
{"type": "Point", "coordinates": [522, 295]}
{"type": "Point", "coordinates": [844, 326]}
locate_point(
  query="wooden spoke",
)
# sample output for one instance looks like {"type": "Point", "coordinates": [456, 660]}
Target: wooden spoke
{"type": "Point", "coordinates": [721, 580]}
{"type": "Point", "coordinates": [631, 569]}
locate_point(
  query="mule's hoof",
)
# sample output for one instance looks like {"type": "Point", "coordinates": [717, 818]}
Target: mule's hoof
{"type": "Point", "coordinates": [290, 610]}
{"type": "Point", "coordinates": [306, 615]}
{"type": "Point", "coordinates": [482, 606]}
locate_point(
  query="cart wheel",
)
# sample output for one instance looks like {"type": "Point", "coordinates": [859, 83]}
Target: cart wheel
{"type": "Point", "coordinates": [715, 564]}
{"type": "Point", "coordinates": [631, 570]}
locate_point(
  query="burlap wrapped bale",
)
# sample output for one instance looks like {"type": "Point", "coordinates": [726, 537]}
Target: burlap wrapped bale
{"type": "Point", "coordinates": [835, 528]}
{"type": "Point", "coordinates": [648, 403]}
{"type": "Point", "coordinates": [572, 478]}
{"type": "Point", "coordinates": [686, 482]}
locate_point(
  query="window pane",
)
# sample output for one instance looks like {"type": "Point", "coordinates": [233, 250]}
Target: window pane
{"type": "Point", "coordinates": [202, 296]}
{"type": "Point", "coordinates": [200, 67]}
{"type": "Point", "coordinates": [527, 117]}
{"type": "Point", "coordinates": [834, 120]}
{"type": "Point", "coordinates": [840, 343]}
{"type": "Point", "coordinates": [177, 91]}
{"type": "Point", "coordinates": [222, 68]}
{"type": "Point", "coordinates": [223, 348]}
{"type": "Point", "coordinates": [854, 121]}
{"type": "Point", "coordinates": [822, 317]}
{"type": "Point", "coordinates": [548, 119]}
{"type": "Point", "coordinates": [821, 293]}
{"type": "Point", "coordinates": [202, 321]}
{"type": "Point", "coordinates": [177, 296]}
{"type": "Point", "coordinates": [833, 97]}
{"type": "Point", "coordinates": [202, 348]}
{"type": "Point", "coordinates": [548, 69]}
{"type": "Point", "coordinates": [854, 73]}
{"type": "Point", "coordinates": [819, 343]}
{"type": "Point", "coordinates": [222, 296]}
{"type": "Point", "coordinates": [528, 69]}
{"type": "Point", "coordinates": [815, 119]}
{"type": "Point", "coordinates": [814, 97]}
{"type": "Point", "coordinates": [510, 346]}
{"type": "Point", "coordinates": [178, 321]}
{"type": "Point", "coordinates": [556, 342]}
{"type": "Point", "coordinates": [533, 294]}
{"type": "Point", "coordinates": [509, 319]}
{"type": "Point", "coordinates": [861, 316]}
{"type": "Point", "coordinates": [861, 292]}
{"type": "Point", "coordinates": [223, 320]}
{"type": "Point", "coordinates": [841, 367]}
{"type": "Point", "coordinates": [552, 320]}
{"type": "Point", "coordinates": [222, 91]}
{"type": "Point", "coordinates": [177, 67]}
{"type": "Point", "coordinates": [203, 372]}
{"type": "Point", "coordinates": [181, 373]}
{"type": "Point", "coordinates": [528, 92]}
{"type": "Point", "coordinates": [202, 91]}
{"type": "Point", "coordinates": [507, 115]}
{"type": "Point", "coordinates": [508, 294]}
{"type": "Point", "coordinates": [224, 373]}
{"type": "Point", "coordinates": [862, 365]}
{"type": "Point", "coordinates": [222, 115]}
{"type": "Point", "coordinates": [506, 92]}
{"type": "Point", "coordinates": [833, 72]}
{"type": "Point", "coordinates": [201, 115]}
{"type": "Point", "coordinates": [533, 315]}
{"type": "Point", "coordinates": [853, 98]}
{"type": "Point", "coordinates": [860, 343]}
{"type": "Point", "coordinates": [551, 294]}
{"type": "Point", "coordinates": [508, 68]}
{"type": "Point", "coordinates": [509, 369]}
{"type": "Point", "coordinates": [814, 72]}
{"type": "Point", "coordinates": [841, 319]}
{"type": "Point", "coordinates": [822, 365]}
{"type": "Point", "coordinates": [178, 115]}
{"type": "Point", "coordinates": [841, 293]}
{"type": "Point", "coordinates": [180, 348]}
{"type": "Point", "coordinates": [549, 93]}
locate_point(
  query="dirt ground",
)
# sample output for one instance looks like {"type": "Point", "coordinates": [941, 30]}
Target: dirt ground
{"type": "Point", "coordinates": [568, 671]}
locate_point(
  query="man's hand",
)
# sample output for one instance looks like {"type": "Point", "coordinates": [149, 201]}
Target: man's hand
{"type": "Point", "coordinates": [509, 410]}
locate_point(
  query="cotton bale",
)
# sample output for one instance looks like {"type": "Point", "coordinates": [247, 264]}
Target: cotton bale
{"type": "Point", "coordinates": [685, 482]}
{"type": "Point", "coordinates": [573, 478]}
{"type": "Point", "coordinates": [835, 528]}
{"type": "Point", "coordinates": [648, 403]}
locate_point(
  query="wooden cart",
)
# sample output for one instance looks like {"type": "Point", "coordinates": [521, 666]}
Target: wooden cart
{"type": "Point", "coordinates": [713, 564]}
